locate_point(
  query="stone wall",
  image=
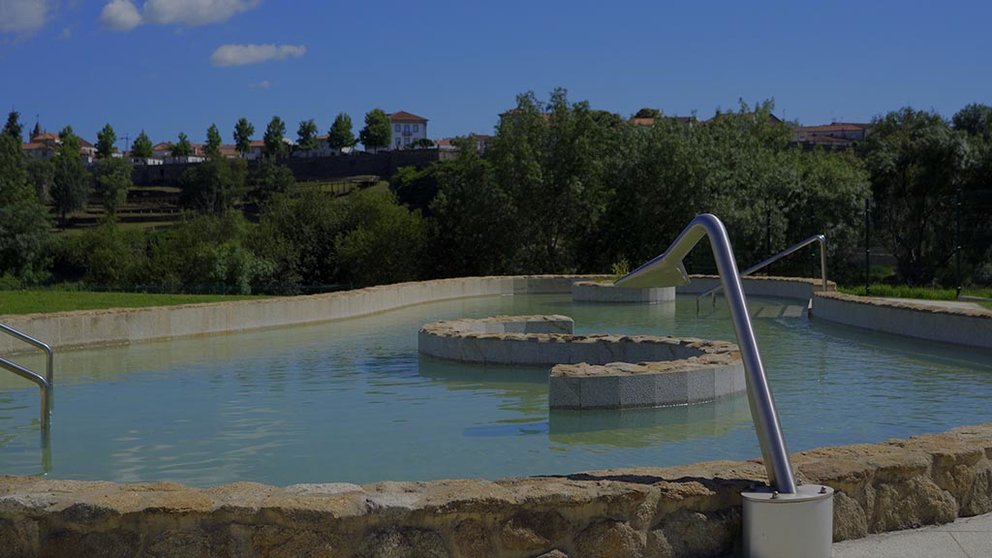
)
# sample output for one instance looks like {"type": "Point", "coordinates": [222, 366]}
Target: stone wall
{"type": "Point", "coordinates": [952, 325]}
{"type": "Point", "coordinates": [693, 510]}
{"type": "Point", "coordinates": [95, 327]}
{"type": "Point", "coordinates": [598, 291]}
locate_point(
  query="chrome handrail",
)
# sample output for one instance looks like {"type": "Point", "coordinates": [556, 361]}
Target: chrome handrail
{"type": "Point", "coordinates": [46, 383]}
{"type": "Point", "coordinates": [667, 270]}
{"type": "Point", "coordinates": [772, 259]}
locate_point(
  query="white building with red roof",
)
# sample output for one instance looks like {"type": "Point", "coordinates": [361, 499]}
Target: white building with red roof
{"type": "Point", "coordinates": [407, 128]}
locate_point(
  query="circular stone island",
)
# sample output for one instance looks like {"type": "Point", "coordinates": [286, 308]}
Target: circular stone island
{"type": "Point", "coordinates": [597, 291]}
{"type": "Point", "coordinates": [593, 371]}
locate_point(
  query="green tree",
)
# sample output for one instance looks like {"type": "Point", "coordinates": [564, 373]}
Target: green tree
{"type": "Point", "coordinates": [275, 133]}
{"type": "Point", "coordinates": [975, 120]}
{"type": "Point", "coordinates": [105, 140]}
{"type": "Point", "coordinates": [916, 162]}
{"type": "Point", "coordinates": [213, 186]}
{"type": "Point", "coordinates": [243, 131]}
{"type": "Point", "coordinates": [112, 180]}
{"type": "Point", "coordinates": [71, 182]}
{"type": "Point", "coordinates": [340, 134]}
{"type": "Point", "coordinates": [109, 257]}
{"type": "Point", "coordinates": [36, 131]}
{"type": "Point", "coordinates": [268, 178]}
{"type": "Point", "coordinates": [213, 141]}
{"type": "Point", "coordinates": [23, 220]}
{"type": "Point", "coordinates": [41, 173]}
{"type": "Point", "coordinates": [377, 131]}
{"type": "Point", "coordinates": [293, 233]}
{"type": "Point", "coordinates": [307, 135]}
{"type": "Point", "coordinates": [648, 112]}
{"type": "Point", "coordinates": [182, 148]}
{"type": "Point", "coordinates": [13, 127]}
{"type": "Point", "coordinates": [473, 219]}
{"type": "Point", "coordinates": [385, 242]}
{"type": "Point", "coordinates": [142, 147]}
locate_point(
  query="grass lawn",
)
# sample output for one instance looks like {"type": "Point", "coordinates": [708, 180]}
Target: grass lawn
{"type": "Point", "coordinates": [905, 291]}
{"type": "Point", "coordinates": [28, 301]}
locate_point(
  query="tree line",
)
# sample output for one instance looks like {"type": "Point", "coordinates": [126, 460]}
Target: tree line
{"type": "Point", "coordinates": [562, 188]}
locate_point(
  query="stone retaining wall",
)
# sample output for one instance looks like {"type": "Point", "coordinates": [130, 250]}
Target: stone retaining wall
{"type": "Point", "coordinates": [693, 510]}
{"type": "Point", "coordinates": [952, 325]}
{"type": "Point", "coordinates": [120, 326]}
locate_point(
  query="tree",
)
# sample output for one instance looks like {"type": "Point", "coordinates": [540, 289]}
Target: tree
{"type": "Point", "coordinates": [183, 148]}
{"type": "Point", "coordinates": [142, 147]}
{"type": "Point", "coordinates": [213, 186]}
{"type": "Point", "coordinates": [13, 127]}
{"type": "Point", "coordinates": [71, 182]}
{"type": "Point", "coordinates": [41, 173]}
{"type": "Point", "coordinates": [377, 131]}
{"type": "Point", "coordinates": [243, 131]}
{"type": "Point", "coordinates": [23, 219]}
{"type": "Point", "coordinates": [213, 141]}
{"type": "Point", "coordinates": [424, 143]}
{"type": "Point", "coordinates": [648, 112]}
{"type": "Point", "coordinates": [385, 242]}
{"type": "Point", "coordinates": [275, 132]}
{"type": "Point", "coordinates": [269, 178]}
{"type": "Point", "coordinates": [105, 140]}
{"type": "Point", "coordinates": [307, 135]}
{"type": "Point", "coordinates": [915, 161]}
{"type": "Point", "coordinates": [36, 131]}
{"type": "Point", "coordinates": [340, 134]}
{"type": "Point", "coordinates": [975, 120]}
{"type": "Point", "coordinates": [112, 180]}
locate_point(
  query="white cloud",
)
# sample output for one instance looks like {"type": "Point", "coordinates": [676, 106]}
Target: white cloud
{"type": "Point", "coordinates": [265, 84]}
{"type": "Point", "coordinates": [23, 16]}
{"type": "Point", "coordinates": [239, 55]}
{"type": "Point", "coordinates": [120, 15]}
{"type": "Point", "coordinates": [123, 15]}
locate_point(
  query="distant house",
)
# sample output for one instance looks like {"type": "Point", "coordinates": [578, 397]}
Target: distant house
{"type": "Point", "coordinates": [836, 135]}
{"type": "Point", "coordinates": [162, 150]}
{"type": "Point", "coordinates": [687, 120]}
{"type": "Point", "coordinates": [406, 128]}
{"type": "Point", "coordinates": [323, 149]}
{"type": "Point", "coordinates": [482, 143]}
{"type": "Point", "coordinates": [45, 145]}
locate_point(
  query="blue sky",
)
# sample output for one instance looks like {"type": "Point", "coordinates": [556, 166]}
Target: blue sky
{"type": "Point", "coordinates": [155, 64]}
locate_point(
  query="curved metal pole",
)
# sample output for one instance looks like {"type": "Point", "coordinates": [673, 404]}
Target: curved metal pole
{"type": "Point", "coordinates": [667, 270]}
{"type": "Point", "coordinates": [47, 384]}
{"type": "Point", "coordinates": [772, 259]}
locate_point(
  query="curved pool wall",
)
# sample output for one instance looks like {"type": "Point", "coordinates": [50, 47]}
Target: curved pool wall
{"type": "Point", "coordinates": [120, 326]}
{"type": "Point", "coordinates": [960, 326]}
{"type": "Point", "coordinates": [693, 510]}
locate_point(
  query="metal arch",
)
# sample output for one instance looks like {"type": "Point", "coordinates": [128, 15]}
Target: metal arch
{"type": "Point", "coordinates": [667, 270]}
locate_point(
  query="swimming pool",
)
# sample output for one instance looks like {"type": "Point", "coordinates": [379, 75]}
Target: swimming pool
{"type": "Point", "coordinates": [353, 401]}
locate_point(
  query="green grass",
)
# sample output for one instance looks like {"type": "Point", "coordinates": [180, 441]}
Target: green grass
{"type": "Point", "coordinates": [925, 293]}
{"type": "Point", "coordinates": [32, 301]}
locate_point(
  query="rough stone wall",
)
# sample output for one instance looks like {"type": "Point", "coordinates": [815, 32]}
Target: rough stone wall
{"type": "Point", "coordinates": [694, 510]}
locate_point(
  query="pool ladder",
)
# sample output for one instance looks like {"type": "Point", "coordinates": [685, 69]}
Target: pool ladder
{"type": "Point", "coordinates": [45, 383]}
{"type": "Point", "coordinates": [816, 238]}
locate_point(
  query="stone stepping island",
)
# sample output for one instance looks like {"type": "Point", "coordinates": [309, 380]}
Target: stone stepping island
{"type": "Point", "coordinates": [597, 371]}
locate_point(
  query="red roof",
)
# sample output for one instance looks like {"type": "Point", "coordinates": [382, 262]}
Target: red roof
{"type": "Point", "coordinates": [164, 146]}
{"type": "Point", "coordinates": [34, 146]}
{"type": "Point", "coordinates": [44, 137]}
{"type": "Point", "coordinates": [403, 116]}
{"type": "Point", "coordinates": [642, 121]}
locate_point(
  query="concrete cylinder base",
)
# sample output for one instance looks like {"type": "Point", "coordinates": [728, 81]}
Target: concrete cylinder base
{"type": "Point", "coordinates": [789, 525]}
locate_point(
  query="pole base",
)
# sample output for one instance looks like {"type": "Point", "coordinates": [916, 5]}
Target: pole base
{"type": "Point", "coordinates": [796, 525]}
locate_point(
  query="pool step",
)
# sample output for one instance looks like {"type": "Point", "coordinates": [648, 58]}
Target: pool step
{"type": "Point", "coordinates": [776, 311]}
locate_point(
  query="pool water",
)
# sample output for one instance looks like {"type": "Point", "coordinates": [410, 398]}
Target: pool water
{"type": "Point", "coordinates": [352, 401]}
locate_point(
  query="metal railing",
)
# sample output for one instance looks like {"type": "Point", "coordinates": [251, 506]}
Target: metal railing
{"type": "Point", "coordinates": [772, 259]}
{"type": "Point", "coordinates": [46, 383]}
{"type": "Point", "coordinates": [667, 270]}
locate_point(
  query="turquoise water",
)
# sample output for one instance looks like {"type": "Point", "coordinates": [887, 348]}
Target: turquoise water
{"type": "Point", "coordinates": [352, 401]}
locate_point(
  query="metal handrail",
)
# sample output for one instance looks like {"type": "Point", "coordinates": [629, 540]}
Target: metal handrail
{"type": "Point", "coordinates": [772, 259]}
{"type": "Point", "coordinates": [667, 270]}
{"type": "Point", "coordinates": [46, 383]}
